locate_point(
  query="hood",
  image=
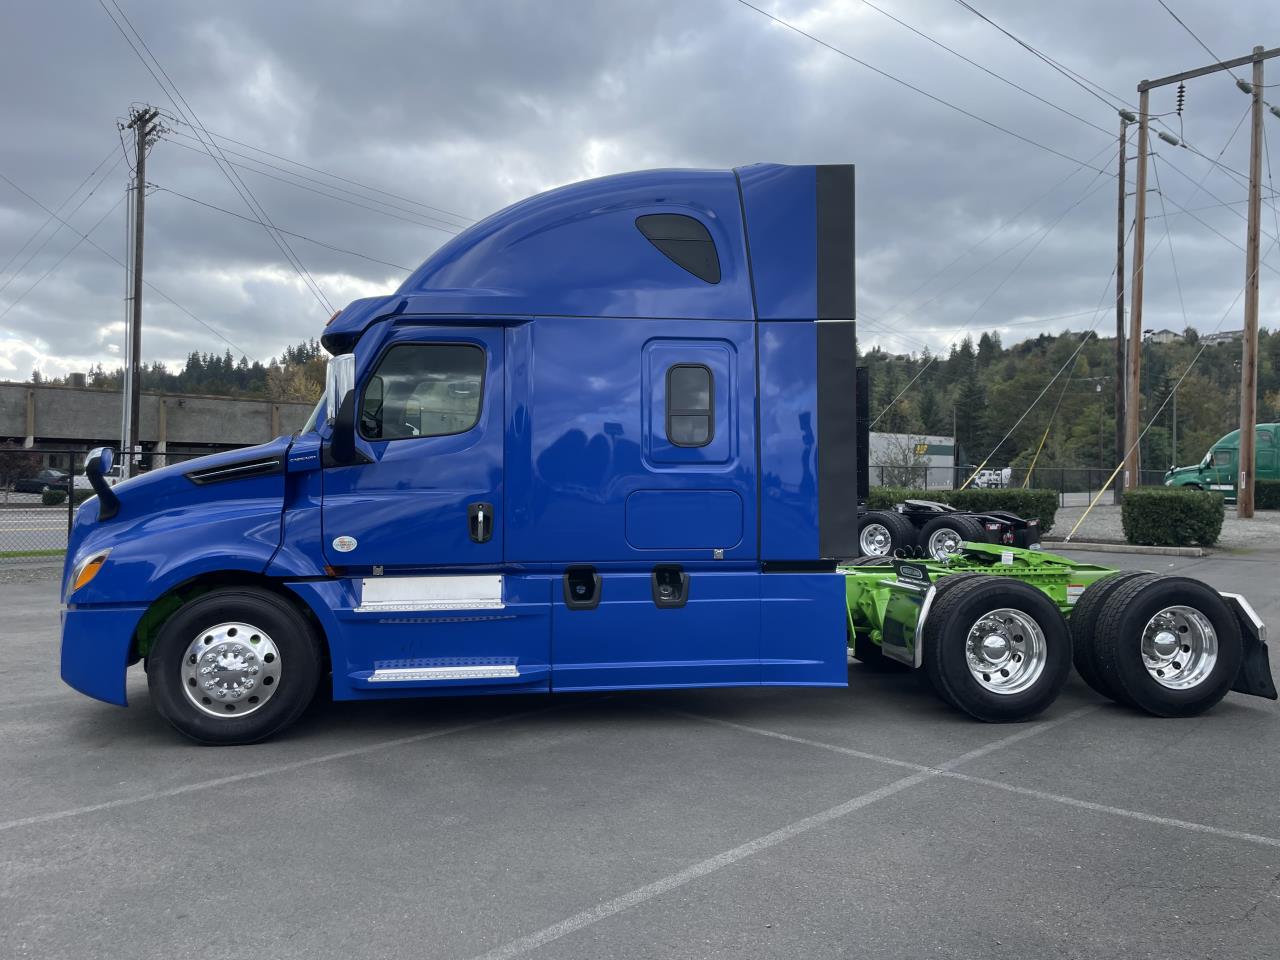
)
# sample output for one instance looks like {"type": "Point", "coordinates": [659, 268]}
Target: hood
{"type": "Point", "coordinates": [172, 496]}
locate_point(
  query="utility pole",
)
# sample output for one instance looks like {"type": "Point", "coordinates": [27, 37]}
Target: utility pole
{"type": "Point", "coordinates": [1133, 400]}
{"type": "Point", "coordinates": [142, 123]}
{"type": "Point", "coordinates": [1249, 362]}
{"type": "Point", "coordinates": [1249, 357]}
{"type": "Point", "coordinates": [1125, 119]}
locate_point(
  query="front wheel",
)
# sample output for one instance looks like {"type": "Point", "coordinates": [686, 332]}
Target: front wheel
{"type": "Point", "coordinates": [996, 648]}
{"type": "Point", "coordinates": [234, 666]}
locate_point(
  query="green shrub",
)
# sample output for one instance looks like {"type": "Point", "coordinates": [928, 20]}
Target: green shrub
{"type": "Point", "coordinates": [82, 495]}
{"type": "Point", "coordinates": [1039, 505]}
{"type": "Point", "coordinates": [52, 496]}
{"type": "Point", "coordinates": [1266, 495]}
{"type": "Point", "coordinates": [1171, 516]}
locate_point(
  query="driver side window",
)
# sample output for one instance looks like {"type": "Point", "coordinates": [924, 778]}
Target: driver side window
{"type": "Point", "coordinates": [1223, 458]}
{"type": "Point", "coordinates": [423, 390]}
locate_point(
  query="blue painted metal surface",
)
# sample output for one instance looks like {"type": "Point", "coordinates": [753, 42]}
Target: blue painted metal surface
{"type": "Point", "coordinates": [581, 319]}
{"type": "Point", "coordinates": [95, 650]}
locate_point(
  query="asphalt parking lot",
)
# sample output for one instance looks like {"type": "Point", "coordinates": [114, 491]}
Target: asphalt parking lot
{"type": "Point", "coordinates": [868, 822]}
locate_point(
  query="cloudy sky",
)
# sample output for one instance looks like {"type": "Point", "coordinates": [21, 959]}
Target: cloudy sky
{"type": "Point", "coordinates": [457, 107]}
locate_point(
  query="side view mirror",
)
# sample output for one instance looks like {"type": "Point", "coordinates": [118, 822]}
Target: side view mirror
{"type": "Point", "coordinates": [97, 464]}
{"type": "Point", "coordinates": [340, 409]}
{"type": "Point", "coordinates": [339, 381]}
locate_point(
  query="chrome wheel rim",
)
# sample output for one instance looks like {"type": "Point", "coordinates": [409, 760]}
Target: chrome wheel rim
{"type": "Point", "coordinates": [1179, 647]}
{"type": "Point", "coordinates": [945, 543]}
{"type": "Point", "coordinates": [231, 670]}
{"type": "Point", "coordinates": [1006, 651]}
{"type": "Point", "coordinates": [875, 540]}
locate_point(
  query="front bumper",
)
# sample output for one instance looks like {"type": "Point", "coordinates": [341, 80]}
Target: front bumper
{"type": "Point", "coordinates": [95, 649]}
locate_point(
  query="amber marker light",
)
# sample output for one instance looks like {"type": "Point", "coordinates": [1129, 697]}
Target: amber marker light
{"type": "Point", "coordinates": [87, 569]}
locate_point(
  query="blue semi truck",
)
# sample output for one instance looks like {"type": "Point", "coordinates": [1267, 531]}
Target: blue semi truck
{"type": "Point", "coordinates": [607, 438]}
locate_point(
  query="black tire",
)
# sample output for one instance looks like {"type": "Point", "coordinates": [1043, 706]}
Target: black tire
{"type": "Point", "coordinates": [901, 532]}
{"type": "Point", "coordinates": [1084, 628]}
{"type": "Point", "coordinates": [297, 659]}
{"type": "Point", "coordinates": [959, 607]}
{"type": "Point", "coordinates": [1119, 637]}
{"type": "Point", "coordinates": [964, 528]}
{"type": "Point", "coordinates": [867, 561]}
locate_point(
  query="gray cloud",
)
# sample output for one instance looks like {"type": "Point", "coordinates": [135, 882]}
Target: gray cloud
{"type": "Point", "coordinates": [470, 105]}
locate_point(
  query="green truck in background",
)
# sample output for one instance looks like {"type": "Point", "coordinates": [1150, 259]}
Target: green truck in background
{"type": "Point", "coordinates": [1221, 465]}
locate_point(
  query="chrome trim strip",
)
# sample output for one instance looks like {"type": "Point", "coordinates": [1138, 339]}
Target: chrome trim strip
{"type": "Point", "coordinates": [430, 593]}
{"type": "Point", "coordinates": [924, 615]}
{"type": "Point", "coordinates": [382, 606]}
{"type": "Point", "coordinates": [403, 674]}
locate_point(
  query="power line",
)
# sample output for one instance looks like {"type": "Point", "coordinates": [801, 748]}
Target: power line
{"type": "Point", "coordinates": [910, 86]}
{"type": "Point", "coordinates": [303, 186]}
{"type": "Point", "coordinates": [425, 218]}
{"type": "Point", "coordinates": [986, 70]}
{"type": "Point", "coordinates": [111, 256]}
{"type": "Point", "coordinates": [1088, 86]}
{"type": "Point", "coordinates": [70, 250]}
{"type": "Point", "coordinates": [56, 230]}
{"type": "Point", "coordinates": [1088, 192]}
{"type": "Point", "coordinates": [306, 166]}
{"type": "Point", "coordinates": [300, 236]}
{"type": "Point", "coordinates": [1177, 279]}
{"type": "Point", "coordinates": [48, 220]}
{"type": "Point", "coordinates": [1003, 225]}
{"type": "Point", "coordinates": [1205, 46]}
{"type": "Point", "coordinates": [237, 184]}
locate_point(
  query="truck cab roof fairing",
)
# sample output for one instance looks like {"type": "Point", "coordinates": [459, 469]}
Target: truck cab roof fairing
{"type": "Point", "coordinates": [576, 251]}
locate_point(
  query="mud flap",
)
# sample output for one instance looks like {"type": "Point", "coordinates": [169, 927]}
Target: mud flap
{"type": "Point", "coordinates": [1254, 677]}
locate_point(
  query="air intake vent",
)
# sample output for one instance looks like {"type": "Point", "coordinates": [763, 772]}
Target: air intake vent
{"type": "Point", "coordinates": [685, 242]}
{"type": "Point", "coordinates": [237, 471]}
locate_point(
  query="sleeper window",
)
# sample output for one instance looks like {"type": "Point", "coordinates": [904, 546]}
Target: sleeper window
{"type": "Point", "coordinates": [689, 405]}
{"type": "Point", "coordinates": [423, 390]}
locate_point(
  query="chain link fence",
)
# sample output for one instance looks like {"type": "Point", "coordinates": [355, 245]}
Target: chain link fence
{"type": "Point", "coordinates": [1076, 486]}
{"type": "Point", "coordinates": [39, 492]}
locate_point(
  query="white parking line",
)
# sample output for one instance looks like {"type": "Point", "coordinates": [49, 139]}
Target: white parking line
{"type": "Point", "coordinates": [265, 771]}
{"type": "Point", "coordinates": [999, 785]}
{"type": "Point", "coordinates": [639, 895]}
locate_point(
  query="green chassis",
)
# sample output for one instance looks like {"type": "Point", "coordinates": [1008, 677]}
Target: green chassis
{"type": "Point", "coordinates": [885, 602]}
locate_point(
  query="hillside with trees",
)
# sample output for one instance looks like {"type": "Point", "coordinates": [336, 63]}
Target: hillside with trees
{"type": "Point", "coordinates": [985, 387]}
{"type": "Point", "coordinates": [298, 374]}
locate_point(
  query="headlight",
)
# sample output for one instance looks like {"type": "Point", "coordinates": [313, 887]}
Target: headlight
{"type": "Point", "coordinates": [87, 569]}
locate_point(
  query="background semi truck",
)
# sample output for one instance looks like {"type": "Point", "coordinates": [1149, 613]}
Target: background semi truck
{"type": "Point", "coordinates": [604, 439]}
{"type": "Point", "coordinates": [1220, 467]}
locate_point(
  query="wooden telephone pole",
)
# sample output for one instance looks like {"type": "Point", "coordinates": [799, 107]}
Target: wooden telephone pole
{"type": "Point", "coordinates": [1125, 119]}
{"type": "Point", "coordinates": [142, 123]}
{"type": "Point", "coordinates": [1133, 374]}
{"type": "Point", "coordinates": [1249, 362]}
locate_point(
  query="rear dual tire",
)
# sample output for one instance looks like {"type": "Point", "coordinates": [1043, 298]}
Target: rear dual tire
{"type": "Point", "coordinates": [1170, 646]}
{"type": "Point", "coordinates": [995, 648]}
{"type": "Point", "coordinates": [884, 533]}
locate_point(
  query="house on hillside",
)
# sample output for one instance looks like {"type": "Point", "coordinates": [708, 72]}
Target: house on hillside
{"type": "Point", "coordinates": [1161, 336]}
{"type": "Point", "coordinates": [1224, 336]}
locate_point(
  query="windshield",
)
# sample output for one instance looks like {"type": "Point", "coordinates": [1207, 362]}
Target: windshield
{"type": "Point", "coordinates": [313, 420]}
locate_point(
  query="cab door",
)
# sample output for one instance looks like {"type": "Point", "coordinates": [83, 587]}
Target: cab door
{"type": "Point", "coordinates": [431, 415]}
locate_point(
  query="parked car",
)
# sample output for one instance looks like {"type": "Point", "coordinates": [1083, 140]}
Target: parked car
{"type": "Point", "coordinates": [47, 477]}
